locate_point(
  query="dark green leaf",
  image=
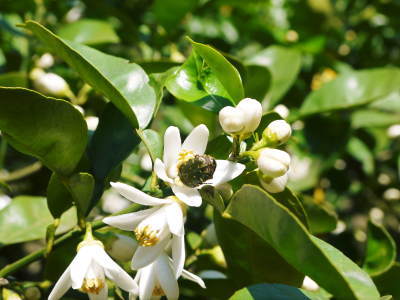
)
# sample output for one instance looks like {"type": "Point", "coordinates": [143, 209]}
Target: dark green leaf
{"type": "Point", "coordinates": [169, 13]}
{"type": "Point", "coordinates": [49, 129]}
{"type": "Point", "coordinates": [153, 142]}
{"type": "Point", "coordinates": [388, 282]}
{"type": "Point", "coordinates": [257, 82]}
{"type": "Point", "coordinates": [59, 198]}
{"type": "Point", "coordinates": [288, 199]}
{"type": "Point", "coordinates": [220, 147]}
{"type": "Point", "coordinates": [211, 196]}
{"type": "Point", "coordinates": [15, 79]}
{"type": "Point", "coordinates": [264, 291]}
{"type": "Point", "coordinates": [81, 187]}
{"type": "Point", "coordinates": [321, 216]}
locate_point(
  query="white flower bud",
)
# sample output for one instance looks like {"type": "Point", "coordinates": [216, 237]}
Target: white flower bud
{"type": "Point", "coordinates": [275, 185]}
{"type": "Point", "coordinates": [394, 131]}
{"type": "Point", "coordinates": [92, 122]}
{"type": "Point", "coordinates": [252, 113]}
{"type": "Point", "coordinates": [277, 132]}
{"type": "Point", "coordinates": [282, 110]}
{"type": "Point", "coordinates": [273, 162]}
{"type": "Point", "coordinates": [146, 162]}
{"type": "Point", "coordinates": [4, 201]}
{"type": "Point", "coordinates": [123, 247]}
{"type": "Point", "coordinates": [50, 83]}
{"type": "Point", "coordinates": [231, 119]}
{"type": "Point", "coordinates": [45, 61]}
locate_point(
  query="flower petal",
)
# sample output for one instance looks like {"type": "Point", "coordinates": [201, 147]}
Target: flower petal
{"type": "Point", "coordinates": [166, 278]}
{"type": "Point", "coordinates": [174, 218]}
{"type": "Point", "coordinates": [62, 285]}
{"type": "Point", "coordinates": [102, 295]}
{"type": "Point", "coordinates": [80, 265]}
{"type": "Point", "coordinates": [129, 221]}
{"type": "Point", "coordinates": [136, 195]}
{"type": "Point", "coordinates": [178, 254]}
{"type": "Point", "coordinates": [190, 276]}
{"type": "Point", "coordinates": [146, 255]}
{"type": "Point", "coordinates": [226, 171]}
{"type": "Point", "coordinates": [172, 146]}
{"type": "Point", "coordinates": [147, 283]}
{"type": "Point", "coordinates": [159, 168]}
{"type": "Point", "coordinates": [188, 195]}
{"type": "Point", "coordinates": [197, 140]}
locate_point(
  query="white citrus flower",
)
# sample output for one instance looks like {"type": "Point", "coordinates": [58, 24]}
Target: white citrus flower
{"type": "Point", "coordinates": [185, 167]}
{"type": "Point", "coordinates": [275, 185]}
{"type": "Point", "coordinates": [242, 119]}
{"type": "Point", "coordinates": [88, 270]}
{"type": "Point", "coordinates": [154, 227]}
{"type": "Point", "coordinates": [159, 279]}
{"type": "Point", "coordinates": [49, 83]}
{"type": "Point", "coordinates": [278, 132]}
{"type": "Point", "coordinates": [273, 162]}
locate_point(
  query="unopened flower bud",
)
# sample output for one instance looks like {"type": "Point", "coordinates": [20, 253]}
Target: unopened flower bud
{"type": "Point", "coordinates": [252, 113]}
{"type": "Point", "coordinates": [275, 185]}
{"type": "Point", "coordinates": [277, 132]}
{"type": "Point", "coordinates": [45, 61]}
{"type": "Point", "coordinates": [146, 162]}
{"type": "Point", "coordinates": [273, 162]}
{"type": "Point", "coordinates": [50, 83]}
{"type": "Point", "coordinates": [122, 248]}
{"type": "Point", "coordinates": [32, 293]}
{"type": "Point", "coordinates": [231, 119]}
{"type": "Point", "coordinates": [282, 110]}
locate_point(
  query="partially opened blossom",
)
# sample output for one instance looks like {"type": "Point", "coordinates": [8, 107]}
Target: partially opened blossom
{"type": "Point", "coordinates": [155, 228]}
{"type": "Point", "coordinates": [88, 270]}
{"type": "Point", "coordinates": [186, 168]}
{"type": "Point", "coordinates": [159, 279]}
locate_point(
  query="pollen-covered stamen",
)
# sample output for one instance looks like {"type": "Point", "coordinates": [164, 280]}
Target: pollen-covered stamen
{"type": "Point", "coordinates": [92, 285]}
{"type": "Point", "coordinates": [196, 169]}
{"type": "Point", "coordinates": [146, 236]}
{"type": "Point", "coordinates": [158, 291]}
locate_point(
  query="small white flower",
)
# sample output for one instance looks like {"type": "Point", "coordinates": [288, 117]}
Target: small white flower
{"type": "Point", "coordinates": [275, 185]}
{"type": "Point", "coordinates": [45, 61]}
{"type": "Point", "coordinates": [277, 132]}
{"type": "Point", "coordinates": [242, 119]}
{"type": "Point", "coordinates": [273, 162]}
{"type": "Point", "coordinates": [92, 122]}
{"type": "Point", "coordinates": [178, 159]}
{"type": "Point", "coordinates": [153, 227]}
{"type": "Point", "coordinates": [158, 279]}
{"type": "Point", "coordinates": [49, 83]}
{"type": "Point", "coordinates": [394, 131]}
{"type": "Point", "coordinates": [88, 270]}
{"type": "Point", "coordinates": [282, 110]}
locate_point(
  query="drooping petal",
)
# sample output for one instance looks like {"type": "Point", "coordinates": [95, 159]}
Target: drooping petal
{"type": "Point", "coordinates": [147, 283]}
{"type": "Point", "coordinates": [129, 221]}
{"type": "Point", "coordinates": [188, 195]}
{"type": "Point", "coordinates": [226, 171]}
{"type": "Point", "coordinates": [174, 218]}
{"type": "Point", "coordinates": [190, 276]}
{"type": "Point", "coordinates": [166, 277]}
{"type": "Point", "coordinates": [146, 255]}
{"type": "Point", "coordinates": [102, 295]}
{"type": "Point", "coordinates": [172, 146]}
{"type": "Point", "coordinates": [161, 172]}
{"type": "Point", "coordinates": [62, 285]}
{"type": "Point", "coordinates": [136, 195]}
{"type": "Point", "coordinates": [80, 265]}
{"type": "Point", "coordinates": [178, 254]}
{"type": "Point", "coordinates": [197, 140]}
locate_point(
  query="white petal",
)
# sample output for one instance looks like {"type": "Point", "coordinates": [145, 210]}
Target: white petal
{"type": "Point", "coordinates": [146, 255]}
{"type": "Point", "coordinates": [147, 283]}
{"type": "Point", "coordinates": [194, 278]}
{"type": "Point", "coordinates": [226, 170]}
{"type": "Point", "coordinates": [172, 146]}
{"type": "Point", "coordinates": [166, 278]}
{"type": "Point", "coordinates": [159, 168]}
{"type": "Point", "coordinates": [103, 294]}
{"type": "Point", "coordinates": [178, 254]}
{"type": "Point", "coordinates": [188, 195]}
{"type": "Point", "coordinates": [174, 218]}
{"type": "Point", "coordinates": [62, 285]}
{"type": "Point", "coordinates": [129, 221]}
{"type": "Point", "coordinates": [136, 195]}
{"type": "Point", "coordinates": [197, 140]}
{"type": "Point", "coordinates": [80, 265]}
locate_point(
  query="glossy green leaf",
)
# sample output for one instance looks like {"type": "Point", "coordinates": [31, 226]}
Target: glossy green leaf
{"type": "Point", "coordinates": [81, 187]}
{"type": "Point", "coordinates": [373, 118]}
{"type": "Point", "coordinates": [59, 198]}
{"type": "Point", "coordinates": [89, 32]}
{"type": "Point", "coordinates": [265, 291]}
{"type": "Point", "coordinates": [51, 130]}
{"type": "Point", "coordinates": [390, 103]}
{"type": "Point", "coordinates": [220, 147]}
{"type": "Point", "coordinates": [380, 250]}
{"type": "Point", "coordinates": [211, 196]}
{"type": "Point", "coordinates": [362, 153]}
{"type": "Point", "coordinates": [249, 257]}
{"type": "Point", "coordinates": [27, 217]}
{"type": "Point", "coordinates": [352, 89]}
{"type": "Point", "coordinates": [153, 142]}
{"type": "Point", "coordinates": [288, 199]}
{"type": "Point", "coordinates": [123, 83]}
{"type": "Point", "coordinates": [258, 82]}
{"type": "Point", "coordinates": [329, 267]}
{"type": "Point", "coordinates": [388, 282]}
{"type": "Point", "coordinates": [322, 217]}
{"type": "Point", "coordinates": [284, 65]}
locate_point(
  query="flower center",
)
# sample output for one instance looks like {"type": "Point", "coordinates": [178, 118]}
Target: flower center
{"type": "Point", "coordinates": [195, 169]}
{"type": "Point", "coordinates": [146, 236]}
{"type": "Point", "coordinates": [92, 285]}
{"type": "Point", "coordinates": [158, 291]}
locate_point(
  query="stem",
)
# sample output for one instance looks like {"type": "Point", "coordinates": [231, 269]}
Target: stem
{"type": "Point", "coordinates": [11, 268]}
{"type": "Point", "coordinates": [235, 147]}
{"type": "Point", "coordinates": [23, 172]}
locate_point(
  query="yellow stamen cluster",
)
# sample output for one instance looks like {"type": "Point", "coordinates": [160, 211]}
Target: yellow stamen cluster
{"type": "Point", "coordinates": [92, 285]}
{"type": "Point", "coordinates": [184, 156]}
{"type": "Point", "coordinates": [146, 236]}
{"type": "Point", "coordinates": [158, 291]}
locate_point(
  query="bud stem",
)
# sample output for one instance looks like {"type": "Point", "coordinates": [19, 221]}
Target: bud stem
{"type": "Point", "coordinates": [235, 147]}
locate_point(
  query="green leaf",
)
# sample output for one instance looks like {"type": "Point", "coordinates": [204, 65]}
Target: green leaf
{"type": "Point", "coordinates": [212, 197]}
{"type": "Point", "coordinates": [388, 282]}
{"type": "Point", "coordinates": [162, 11]}
{"type": "Point", "coordinates": [380, 250]}
{"type": "Point", "coordinates": [220, 147]}
{"type": "Point", "coordinates": [275, 224]}
{"type": "Point", "coordinates": [288, 199]}
{"type": "Point", "coordinates": [362, 153]}
{"type": "Point", "coordinates": [226, 73]}
{"type": "Point", "coordinates": [265, 291]}
{"type": "Point", "coordinates": [123, 83]}
{"type": "Point", "coordinates": [249, 258]}
{"type": "Point", "coordinates": [352, 89]}
{"type": "Point", "coordinates": [26, 218]}
{"type": "Point", "coordinates": [51, 130]}
{"type": "Point", "coordinates": [15, 79]}
{"type": "Point", "coordinates": [321, 216]}
{"type": "Point", "coordinates": [89, 32]}
{"type": "Point", "coordinates": [284, 65]}
{"type": "Point", "coordinates": [153, 142]}
{"type": "Point", "coordinates": [258, 82]}
{"type": "Point", "coordinates": [81, 187]}
{"type": "Point", "coordinates": [59, 198]}
{"type": "Point", "coordinates": [373, 118]}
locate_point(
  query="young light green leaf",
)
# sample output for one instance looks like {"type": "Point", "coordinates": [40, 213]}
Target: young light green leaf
{"type": "Point", "coordinates": [153, 142]}
{"type": "Point", "coordinates": [123, 83]}
{"type": "Point", "coordinates": [373, 118]}
{"type": "Point", "coordinates": [51, 130]}
{"type": "Point", "coordinates": [329, 267]}
{"type": "Point", "coordinates": [265, 291]}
